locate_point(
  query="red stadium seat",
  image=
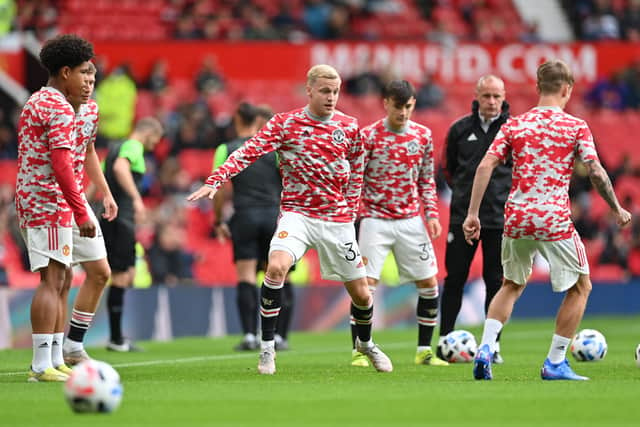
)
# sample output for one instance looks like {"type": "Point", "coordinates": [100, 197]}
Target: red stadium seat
{"type": "Point", "coordinates": [197, 163]}
{"type": "Point", "coordinates": [8, 172]}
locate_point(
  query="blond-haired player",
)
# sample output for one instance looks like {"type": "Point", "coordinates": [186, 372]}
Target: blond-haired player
{"type": "Point", "coordinates": [321, 163]}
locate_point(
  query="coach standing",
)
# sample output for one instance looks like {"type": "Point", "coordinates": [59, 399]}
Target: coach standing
{"type": "Point", "coordinates": [466, 144]}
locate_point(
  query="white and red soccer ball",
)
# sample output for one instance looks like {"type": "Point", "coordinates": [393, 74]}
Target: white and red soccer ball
{"type": "Point", "coordinates": [93, 386]}
{"type": "Point", "coordinates": [459, 347]}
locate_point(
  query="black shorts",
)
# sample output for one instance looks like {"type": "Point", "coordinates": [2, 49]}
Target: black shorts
{"type": "Point", "coordinates": [120, 241]}
{"type": "Point", "coordinates": [251, 232]}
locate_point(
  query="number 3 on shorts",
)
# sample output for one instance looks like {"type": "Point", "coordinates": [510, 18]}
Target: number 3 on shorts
{"type": "Point", "coordinates": [351, 254]}
{"type": "Point", "coordinates": [424, 255]}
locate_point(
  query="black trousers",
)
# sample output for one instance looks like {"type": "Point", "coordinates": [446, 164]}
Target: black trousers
{"type": "Point", "coordinates": [458, 258]}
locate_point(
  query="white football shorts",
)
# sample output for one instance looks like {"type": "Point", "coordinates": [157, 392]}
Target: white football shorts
{"type": "Point", "coordinates": [88, 248]}
{"type": "Point", "coordinates": [409, 241]}
{"type": "Point", "coordinates": [335, 243]}
{"type": "Point", "coordinates": [567, 260]}
{"type": "Point", "coordinates": [46, 243]}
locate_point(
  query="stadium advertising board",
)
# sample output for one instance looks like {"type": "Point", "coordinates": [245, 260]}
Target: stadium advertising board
{"type": "Point", "coordinates": [516, 63]}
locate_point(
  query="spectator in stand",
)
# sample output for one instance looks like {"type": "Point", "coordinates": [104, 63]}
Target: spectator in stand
{"type": "Point", "coordinates": [209, 79]}
{"type": "Point", "coordinates": [8, 138]}
{"type": "Point", "coordinates": [7, 16]}
{"type": "Point", "coordinates": [116, 97]}
{"type": "Point", "coordinates": [610, 93]}
{"type": "Point", "coordinates": [586, 227]}
{"type": "Point", "coordinates": [170, 264]}
{"type": "Point", "coordinates": [338, 23]}
{"type": "Point", "coordinates": [443, 36]}
{"type": "Point", "coordinates": [284, 21]}
{"type": "Point", "coordinates": [631, 77]}
{"type": "Point", "coordinates": [617, 243]}
{"type": "Point", "coordinates": [196, 129]}
{"type": "Point", "coordinates": [529, 33]}
{"type": "Point", "coordinates": [158, 79]}
{"type": "Point", "coordinates": [259, 27]}
{"type": "Point", "coordinates": [316, 18]}
{"type": "Point", "coordinates": [186, 28]}
{"type": "Point", "coordinates": [631, 21]}
{"type": "Point", "coordinates": [429, 95]}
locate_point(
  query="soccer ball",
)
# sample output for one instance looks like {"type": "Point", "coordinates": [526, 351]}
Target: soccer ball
{"type": "Point", "coordinates": [459, 346]}
{"type": "Point", "coordinates": [589, 345]}
{"type": "Point", "coordinates": [93, 386]}
{"type": "Point", "coordinates": [637, 355]}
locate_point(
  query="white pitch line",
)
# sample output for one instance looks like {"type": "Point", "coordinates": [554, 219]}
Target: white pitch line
{"type": "Point", "coordinates": [218, 357]}
{"type": "Point", "coordinates": [515, 334]}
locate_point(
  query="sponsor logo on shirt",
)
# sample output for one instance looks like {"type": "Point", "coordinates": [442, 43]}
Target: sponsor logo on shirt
{"type": "Point", "coordinates": [472, 137]}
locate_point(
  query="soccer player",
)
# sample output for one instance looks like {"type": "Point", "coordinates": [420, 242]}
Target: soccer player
{"type": "Point", "coordinates": [256, 203]}
{"type": "Point", "coordinates": [321, 163]}
{"type": "Point", "coordinates": [544, 143]}
{"type": "Point", "coordinates": [88, 252]}
{"type": "Point", "coordinates": [398, 177]}
{"type": "Point", "coordinates": [467, 141]}
{"type": "Point", "coordinates": [124, 168]}
{"type": "Point", "coordinates": [48, 199]}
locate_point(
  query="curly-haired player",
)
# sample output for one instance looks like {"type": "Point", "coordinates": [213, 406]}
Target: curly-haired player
{"type": "Point", "coordinates": [48, 199]}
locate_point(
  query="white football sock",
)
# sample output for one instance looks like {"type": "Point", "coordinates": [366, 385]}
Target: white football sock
{"type": "Point", "coordinates": [56, 349]}
{"type": "Point", "coordinates": [558, 349]}
{"type": "Point", "coordinates": [267, 344]}
{"type": "Point", "coordinates": [492, 328]}
{"type": "Point", "coordinates": [71, 345]}
{"type": "Point", "coordinates": [41, 352]}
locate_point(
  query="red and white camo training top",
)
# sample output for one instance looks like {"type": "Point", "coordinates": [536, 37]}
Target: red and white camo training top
{"type": "Point", "coordinates": [321, 163]}
{"type": "Point", "coordinates": [544, 143]}
{"type": "Point", "coordinates": [86, 129]}
{"type": "Point", "coordinates": [399, 172]}
{"type": "Point", "coordinates": [46, 123]}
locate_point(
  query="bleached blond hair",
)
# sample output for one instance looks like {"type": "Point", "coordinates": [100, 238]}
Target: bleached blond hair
{"type": "Point", "coordinates": [321, 71]}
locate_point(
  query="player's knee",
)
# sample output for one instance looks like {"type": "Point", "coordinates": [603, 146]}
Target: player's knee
{"type": "Point", "coordinates": [66, 284]}
{"type": "Point", "coordinates": [583, 286]}
{"type": "Point", "coordinates": [277, 271]}
{"type": "Point", "coordinates": [360, 293]}
{"type": "Point", "coordinates": [101, 274]}
{"type": "Point", "coordinates": [512, 287]}
{"type": "Point", "coordinates": [431, 282]}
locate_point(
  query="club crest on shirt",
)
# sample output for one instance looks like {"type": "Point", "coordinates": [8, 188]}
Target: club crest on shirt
{"type": "Point", "coordinates": [338, 136]}
{"type": "Point", "coordinates": [66, 250]}
{"type": "Point", "coordinates": [87, 129]}
{"type": "Point", "coordinates": [412, 147]}
{"type": "Point", "coordinates": [283, 234]}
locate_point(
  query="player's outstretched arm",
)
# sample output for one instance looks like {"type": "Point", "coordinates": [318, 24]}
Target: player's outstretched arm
{"type": "Point", "coordinates": [204, 191]}
{"type": "Point", "coordinates": [471, 224]}
{"type": "Point", "coordinates": [601, 182]}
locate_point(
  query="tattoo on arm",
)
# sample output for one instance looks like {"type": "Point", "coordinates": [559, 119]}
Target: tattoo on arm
{"type": "Point", "coordinates": [602, 183]}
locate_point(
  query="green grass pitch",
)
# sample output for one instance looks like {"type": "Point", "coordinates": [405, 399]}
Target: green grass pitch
{"type": "Point", "coordinates": [202, 382]}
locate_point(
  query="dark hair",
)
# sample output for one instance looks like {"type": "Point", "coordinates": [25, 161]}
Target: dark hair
{"type": "Point", "coordinates": [400, 91]}
{"type": "Point", "coordinates": [246, 113]}
{"type": "Point", "coordinates": [65, 50]}
{"type": "Point", "coordinates": [552, 75]}
{"type": "Point", "coordinates": [265, 111]}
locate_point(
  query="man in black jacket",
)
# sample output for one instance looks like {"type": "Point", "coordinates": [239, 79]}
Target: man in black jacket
{"type": "Point", "coordinates": [467, 141]}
